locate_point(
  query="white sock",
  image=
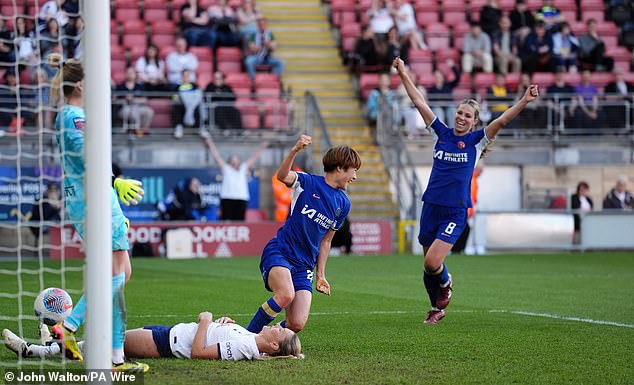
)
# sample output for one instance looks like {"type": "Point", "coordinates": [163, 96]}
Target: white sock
{"type": "Point", "coordinates": [117, 356]}
{"type": "Point", "coordinates": [68, 326]}
{"type": "Point", "coordinates": [41, 351]}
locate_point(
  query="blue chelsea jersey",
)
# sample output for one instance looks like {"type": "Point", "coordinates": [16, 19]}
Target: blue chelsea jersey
{"type": "Point", "coordinates": [69, 132]}
{"type": "Point", "coordinates": [316, 207]}
{"type": "Point", "coordinates": [455, 158]}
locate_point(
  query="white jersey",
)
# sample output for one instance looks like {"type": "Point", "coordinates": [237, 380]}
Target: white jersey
{"type": "Point", "coordinates": [234, 342]}
{"type": "Point", "coordinates": [235, 183]}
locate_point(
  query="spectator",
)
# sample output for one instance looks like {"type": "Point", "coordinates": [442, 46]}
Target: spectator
{"type": "Point", "coordinates": [52, 10]}
{"type": "Point", "coordinates": [195, 25]}
{"type": "Point", "coordinates": [260, 50]}
{"type": "Point", "coordinates": [581, 202]}
{"type": "Point", "coordinates": [283, 196]}
{"type": "Point", "coordinates": [224, 23]}
{"type": "Point", "coordinates": [136, 114]}
{"type": "Point", "coordinates": [560, 95]}
{"type": "Point", "coordinates": [617, 92]}
{"type": "Point", "coordinates": [591, 54]}
{"type": "Point", "coordinates": [46, 209]}
{"type": "Point", "coordinates": [498, 97]}
{"type": "Point", "coordinates": [234, 192]}
{"type": "Point", "coordinates": [248, 15]}
{"type": "Point", "coordinates": [365, 52]}
{"type": "Point", "coordinates": [24, 41]}
{"type": "Point", "coordinates": [187, 111]}
{"type": "Point", "coordinates": [412, 119]}
{"type": "Point", "coordinates": [8, 100]}
{"type": "Point", "coordinates": [403, 14]}
{"type": "Point", "coordinates": [619, 197]}
{"type": "Point", "coordinates": [522, 21]}
{"type": "Point", "coordinates": [537, 51]}
{"type": "Point", "coordinates": [440, 93]}
{"type": "Point", "coordinates": [550, 15]}
{"type": "Point", "coordinates": [225, 115]}
{"type": "Point", "coordinates": [476, 48]}
{"type": "Point", "coordinates": [585, 107]}
{"type": "Point", "coordinates": [40, 101]}
{"type": "Point", "coordinates": [184, 202]}
{"type": "Point", "coordinates": [7, 55]}
{"type": "Point", "coordinates": [394, 48]}
{"type": "Point", "coordinates": [50, 42]}
{"type": "Point", "coordinates": [380, 18]}
{"type": "Point", "coordinates": [179, 61]}
{"type": "Point", "coordinates": [150, 69]}
{"type": "Point", "coordinates": [565, 46]}
{"type": "Point", "coordinates": [490, 16]}
{"type": "Point", "coordinates": [72, 38]}
{"type": "Point", "coordinates": [374, 99]}
{"type": "Point", "coordinates": [505, 48]}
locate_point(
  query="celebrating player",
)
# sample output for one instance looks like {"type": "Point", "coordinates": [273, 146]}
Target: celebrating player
{"type": "Point", "coordinates": [212, 340]}
{"type": "Point", "coordinates": [69, 132]}
{"type": "Point", "coordinates": [447, 197]}
{"type": "Point", "coordinates": [318, 208]}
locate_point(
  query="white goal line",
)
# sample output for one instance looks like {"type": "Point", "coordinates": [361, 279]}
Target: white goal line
{"type": "Point", "coordinates": [392, 312]}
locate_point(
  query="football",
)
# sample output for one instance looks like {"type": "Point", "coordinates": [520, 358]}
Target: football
{"type": "Point", "coordinates": [52, 305]}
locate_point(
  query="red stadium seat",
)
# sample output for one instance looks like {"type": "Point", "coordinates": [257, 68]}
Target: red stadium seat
{"type": "Point", "coordinates": [569, 15]}
{"type": "Point", "coordinates": [599, 16]}
{"type": "Point", "coordinates": [426, 6]}
{"type": "Point", "coordinates": [164, 51]}
{"type": "Point", "coordinates": [137, 42]}
{"type": "Point", "coordinates": [544, 79]}
{"type": "Point", "coordinates": [454, 18]}
{"type": "Point", "coordinates": [238, 79]}
{"type": "Point", "coordinates": [276, 115]}
{"type": "Point", "coordinates": [425, 18]}
{"type": "Point", "coordinates": [205, 68]}
{"type": "Point", "coordinates": [607, 28]}
{"type": "Point", "coordinates": [452, 5]}
{"type": "Point", "coordinates": [601, 79]}
{"type": "Point", "coordinates": [506, 5]}
{"type": "Point", "coordinates": [426, 79]}
{"type": "Point", "coordinates": [476, 5]}
{"type": "Point", "coordinates": [437, 36]}
{"type": "Point", "coordinates": [123, 13]}
{"type": "Point", "coordinates": [163, 33]}
{"type": "Point", "coordinates": [117, 52]}
{"type": "Point", "coordinates": [162, 112]}
{"type": "Point", "coordinates": [592, 5]}
{"type": "Point", "coordinates": [228, 67]}
{"type": "Point", "coordinates": [202, 53]}
{"type": "Point", "coordinates": [610, 40]}
{"type": "Point", "coordinates": [203, 78]}
{"type": "Point", "coordinates": [450, 53]}
{"type": "Point", "coordinates": [512, 79]}
{"type": "Point", "coordinates": [266, 80]}
{"type": "Point", "coordinates": [572, 78]}
{"type": "Point", "coordinates": [534, 5]}
{"type": "Point", "coordinates": [155, 10]}
{"type": "Point", "coordinates": [343, 18]}
{"type": "Point", "coordinates": [232, 54]}
{"type": "Point", "coordinates": [420, 61]}
{"type": "Point", "coordinates": [565, 5]}
{"type": "Point", "coordinates": [250, 115]}
{"type": "Point", "coordinates": [133, 26]}
{"type": "Point", "coordinates": [350, 30]}
{"type": "Point", "coordinates": [483, 80]}
{"type": "Point", "coordinates": [267, 93]}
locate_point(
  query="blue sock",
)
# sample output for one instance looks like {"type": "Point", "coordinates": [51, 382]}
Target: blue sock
{"type": "Point", "coordinates": [283, 324]}
{"type": "Point", "coordinates": [119, 315]}
{"type": "Point", "coordinates": [265, 314]}
{"type": "Point", "coordinates": [77, 316]}
{"type": "Point", "coordinates": [431, 286]}
{"type": "Point", "coordinates": [442, 276]}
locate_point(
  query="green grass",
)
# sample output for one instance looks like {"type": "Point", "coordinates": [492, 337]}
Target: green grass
{"type": "Point", "coordinates": [370, 330]}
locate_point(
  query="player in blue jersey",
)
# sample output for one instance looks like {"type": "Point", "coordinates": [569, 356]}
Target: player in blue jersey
{"type": "Point", "coordinates": [69, 132]}
{"type": "Point", "coordinates": [301, 247]}
{"type": "Point", "coordinates": [447, 197]}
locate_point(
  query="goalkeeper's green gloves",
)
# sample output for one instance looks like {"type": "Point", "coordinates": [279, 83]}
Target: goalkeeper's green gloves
{"type": "Point", "coordinates": [129, 190]}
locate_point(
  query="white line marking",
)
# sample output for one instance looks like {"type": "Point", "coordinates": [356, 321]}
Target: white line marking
{"type": "Point", "coordinates": [392, 312]}
{"type": "Point", "coordinates": [576, 319]}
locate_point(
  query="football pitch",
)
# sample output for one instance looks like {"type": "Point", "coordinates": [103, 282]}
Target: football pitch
{"type": "Point", "coordinates": [514, 319]}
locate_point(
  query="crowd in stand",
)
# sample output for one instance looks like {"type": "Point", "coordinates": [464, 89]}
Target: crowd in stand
{"type": "Point", "coordinates": [493, 52]}
{"type": "Point", "coordinates": [200, 41]}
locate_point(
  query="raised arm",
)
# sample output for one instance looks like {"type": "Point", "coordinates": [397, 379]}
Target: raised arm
{"type": "Point", "coordinates": [322, 284]}
{"type": "Point", "coordinates": [532, 92]}
{"type": "Point", "coordinates": [414, 94]}
{"type": "Point", "coordinates": [214, 151]}
{"type": "Point", "coordinates": [284, 173]}
{"type": "Point", "coordinates": [256, 155]}
{"type": "Point", "coordinates": [199, 349]}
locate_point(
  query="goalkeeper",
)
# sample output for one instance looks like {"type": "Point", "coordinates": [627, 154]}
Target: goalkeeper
{"type": "Point", "coordinates": [69, 133]}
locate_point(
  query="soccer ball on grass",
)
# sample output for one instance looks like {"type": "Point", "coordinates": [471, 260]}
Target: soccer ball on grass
{"type": "Point", "coordinates": [52, 305]}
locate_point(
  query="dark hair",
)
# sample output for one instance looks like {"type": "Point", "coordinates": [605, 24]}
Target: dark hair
{"type": "Point", "coordinates": [581, 185]}
{"type": "Point", "coordinates": [69, 72]}
{"type": "Point", "coordinates": [341, 156]}
{"type": "Point", "coordinates": [147, 56]}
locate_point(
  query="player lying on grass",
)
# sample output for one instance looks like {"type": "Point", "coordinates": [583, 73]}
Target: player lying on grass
{"type": "Point", "coordinates": [448, 194]}
{"type": "Point", "coordinates": [222, 339]}
{"type": "Point", "coordinates": [318, 208]}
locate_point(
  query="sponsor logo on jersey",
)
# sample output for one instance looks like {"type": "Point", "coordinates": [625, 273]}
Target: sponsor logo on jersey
{"type": "Point", "coordinates": [79, 123]}
{"type": "Point", "coordinates": [456, 157]}
{"type": "Point", "coordinates": [318, 218]}
{"type": "Point", "coordinates": [228, 352]}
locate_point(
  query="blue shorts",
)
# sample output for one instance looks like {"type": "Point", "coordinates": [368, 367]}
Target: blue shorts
{"type": "Point", "coordinates": [441, 222]}
{"type": "Point", "coordinates": [161, 337]}
{"type": "Point", "coordinates": [272, 256]}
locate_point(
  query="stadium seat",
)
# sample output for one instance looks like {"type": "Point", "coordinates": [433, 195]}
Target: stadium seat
{"type": "Point", "coordinates": [205, 68]}
{"type": "Point", "coordinates": [426, 6]}
{"type": "Point", "coordinates": [544, 79]}
{"type": "Point", "coordinates": [610, 41]}
{"type": "Point", "coordinates": [117, 52]}
{"type": "Point", "coordinates": [237, 79]}
{"type": "Point", "coordinates": [506, 5]}
{"type": "Point", "coordinates": [163, 32]}
{"type": "Point", "coordinates": [565, 5]}
{"type": "Point", "coordinates": [426, 79]}
{"type": "Point", "coordinates": [476, 5]}
{"type": "Point", "coordinates": [227, 67]}
{"type": "Point", "coordinates": [607, 28]}
{"type": "Point", "coordinates": [601, 79]}
{"type": "Point", "coordinates": [483, 80]}
{"type": "Point", "coordinates": [572, 78]}
{"type": "Point", "coordinates": [599, 16]}
{"type": "Point", "coordinates": [437, 36]}
{"type": "Point", "coordinates": [454, 18]}
{"type": "Point", "coordinates": [164, 51]}
{"type": "Point", "coordinates": [202, 53]}
{"type": "Point", "coordinates": [267, 93]}
{"type": "Point", "coordinates": [134, 33]}
{"type": "Point", "coordinates": [126, 10]}
{"type": "Point", "coordinates": [420, 61]}
{"type": "Point", "coordinates": [592, 5]}
{"type": "Point", "coordinates": [452, 5]}
{"type": "Point", "coordinates": [136, 52]}
{"type": "Point", "coordinates": [534, 5]}
{"type": "Point", "coordinates": [162, 112]}
{"type": "Point", "coordinates": [249, 113]}
{"type": "Point", "coordinates": [117, 69]}
{"type": "Point", "coordinates": [203, 78]}
{"type": "Point", "coordinates": [448, 53]}
{"type": "Point", "coordinates": [133, 41]}
{"type": "Point", "coordinates": [266, 80]}
{"type": "Point", "coordinates": [155, 10]}
{"type": "Point", "coordinates": [425, 18]}
{"type": "Point", "coordinates": [511, 80]}
{"type": "Point", "coordinates": [231, 54]}
{"type": "Point", "coordinates": [569, 14]}
{"type": "Point", "coordinates": [276, 115]}
{"type": "Point", "coordinates": [368, 82]}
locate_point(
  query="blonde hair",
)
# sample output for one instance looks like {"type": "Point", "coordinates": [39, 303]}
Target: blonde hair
{"type": "Point", "coordinates": [290, 348]}
{"type": "Point", "coordinates": [69, 73]}
{"type": "Point", "coordinates": [476, 106]}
